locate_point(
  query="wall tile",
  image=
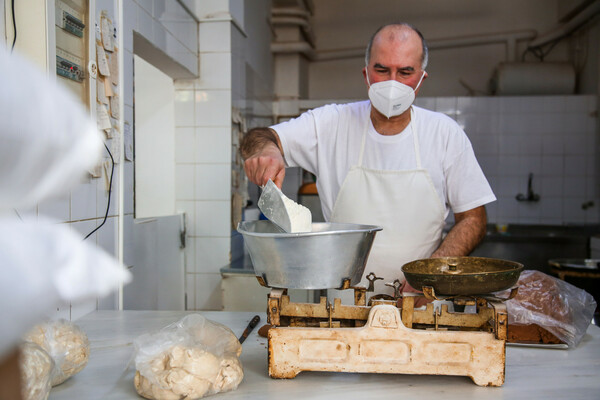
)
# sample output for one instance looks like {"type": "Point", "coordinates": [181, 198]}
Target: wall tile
{"type": "Point", "coordinates": [553, 144]}
{"type": "Point", "coordinates": [128, 80]}
{"type": "Point", "coordinates": [213, 181]}
{"type": "Point", "coordinates": [576, 143]}
{"type": "Point", "coordinates": [128, 187]}
{"type": "Point", "coordinates": [184, 108]}
{"type": "Point", "coordinates": [212, 254]}
{"type": "Point", "coordinates": [531, 164]}
{"type": "Point", "coordinates": [190, 291]}
{"type": "Point", "coordinates": [83, 200]}
{"type": "Point", "coordinates": [552, 165]}
{"type": "Point", "coordinates": [130, 23]}
{"type": "Point", "coordinates": [213, 108]}
{"type": "Point", "coordinates": [184, 181]}
{"type": "Point", "coordinates": [58, 208]}
{"type": "Point", "coordinates": [551, 186]}
{"type": "Point", "coordinates": [145, 23]}
{"type": "Point", "coordinates": [102, 188]}
{"type": "Point", "coordinates": [208, 292]}
{"type": "Point", "coordinates": [213, 144]}
{"type": "Point", "coordinates": [190, 254]}
{"type": "Point", "coordinates": [575, 166]}
{"type": "Point", "coordinates": [189, 208]}
{"type": "Point", "coordinates": [215, 71]}
{"type": "Point", "coordinates": [159, 36]}
{"type": "Point", "coordinates": [215, 37]}
{"type": "Point", "coordinates": [185, 145]}
{"type": "Point", "coordinates": [107, 236]}
{"type": "Point", "coordinates": [552, 207]}
{"type": "Point", "coordinates": [574, 186]}
{"type": "Point", "coordinates": [572, 211]}
{"type": "Point", "coordinates": [213, 218]}
{"type": "Point", "coordinates": [509, 164]}
{"type": "Point", "coordinates": [146, 5]}
{"type": "Point", "coordinates": [83, 228]}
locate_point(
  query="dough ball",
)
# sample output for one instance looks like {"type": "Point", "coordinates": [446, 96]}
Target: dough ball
{"type": "Point", "coordinates": [179, 373]}
{"type": "Point", "coordinates": [66, 343]}
{"type": "Point", "coordinates": [230, 375]}
{"type": "Point", "coordinates": [36, 369]}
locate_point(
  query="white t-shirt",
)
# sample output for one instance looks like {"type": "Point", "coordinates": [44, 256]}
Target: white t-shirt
{"type": "Point", "coordinates": [326, 141]}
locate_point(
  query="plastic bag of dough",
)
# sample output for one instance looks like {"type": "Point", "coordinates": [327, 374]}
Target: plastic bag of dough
{"type": "Point", "coordinates": [189, 359]}
{"type": "Point", "coordinates": [36, 372]}
{"type": "Point", "coordinates": [557, 306]}
{"type": "Point", "coordinates": [66, 343]}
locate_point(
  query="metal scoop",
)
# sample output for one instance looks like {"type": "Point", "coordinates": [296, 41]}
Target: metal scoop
{"type": "Point", "coordinates": [273, 207]}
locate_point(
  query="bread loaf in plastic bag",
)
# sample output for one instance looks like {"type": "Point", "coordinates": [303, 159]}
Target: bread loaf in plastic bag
{"type": "Point", "coordinates": [189, 359]}
{"type": "Point", "coordinates": [557, 306]}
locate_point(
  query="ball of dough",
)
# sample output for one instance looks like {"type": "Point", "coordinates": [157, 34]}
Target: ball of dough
{"type": "Point", "coordinates": [181, 372]}
{"type": "Point", "coordinates": [230, 375]}
{"type": "Point", "coordinates": [66, 343]}
{"type": "Point", "coordinates": [36, 369]}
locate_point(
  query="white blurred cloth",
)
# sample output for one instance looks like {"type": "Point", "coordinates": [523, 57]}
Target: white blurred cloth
{"type": "Point", "coordinates": [47, 139]}
{"type": "Point", "coordinates": [47, 143]}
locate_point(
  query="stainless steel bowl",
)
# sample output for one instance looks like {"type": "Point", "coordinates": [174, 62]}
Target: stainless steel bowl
{"type": "Point", "coordinates": [320, 259]}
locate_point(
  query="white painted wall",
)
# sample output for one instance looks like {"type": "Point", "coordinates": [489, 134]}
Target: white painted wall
{"type": "Point", "coordinates": [154, 141]}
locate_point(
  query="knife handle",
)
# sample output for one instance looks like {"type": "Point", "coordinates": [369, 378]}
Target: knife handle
{"type": "Point", "coordinates": [253, 322]}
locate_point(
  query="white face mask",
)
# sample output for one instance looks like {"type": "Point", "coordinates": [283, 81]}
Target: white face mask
{"type": "Point", "coordinates": [392, 98]}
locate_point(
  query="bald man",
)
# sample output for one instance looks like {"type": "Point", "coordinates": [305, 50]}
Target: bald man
{"type": "Point", "coordinates": [384, 161]}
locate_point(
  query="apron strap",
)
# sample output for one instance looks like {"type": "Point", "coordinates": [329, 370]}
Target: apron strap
{"type": "Point", "coordinates": [413, 123]}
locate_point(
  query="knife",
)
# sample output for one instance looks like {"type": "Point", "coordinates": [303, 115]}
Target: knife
{"type": "Point", "coordinates": [249, 328]}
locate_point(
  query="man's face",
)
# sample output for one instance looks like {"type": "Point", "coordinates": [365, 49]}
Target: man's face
{"type": "Point", "coordinates": [395, 55]}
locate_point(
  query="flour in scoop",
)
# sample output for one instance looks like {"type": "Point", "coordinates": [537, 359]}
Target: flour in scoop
{"type": "Point", "coordinates": [300, 216]}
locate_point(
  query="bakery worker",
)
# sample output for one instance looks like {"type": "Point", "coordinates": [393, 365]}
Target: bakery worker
{"type": "Point", "coordinates": [384, 161]}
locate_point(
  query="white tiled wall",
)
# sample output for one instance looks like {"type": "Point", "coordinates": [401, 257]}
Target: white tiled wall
{"type": "Point", "coordinates": [553, 137]}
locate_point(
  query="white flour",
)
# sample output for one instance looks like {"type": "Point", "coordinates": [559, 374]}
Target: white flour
{"type": "Point", "coordinates": [300, 216]}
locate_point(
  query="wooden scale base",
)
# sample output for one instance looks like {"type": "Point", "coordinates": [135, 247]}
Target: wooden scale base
{"type": "Point", "coordinates": [383, 338]}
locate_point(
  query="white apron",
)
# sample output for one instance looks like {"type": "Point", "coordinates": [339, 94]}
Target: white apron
{"type": "Point", "coordinates": [404, 202]}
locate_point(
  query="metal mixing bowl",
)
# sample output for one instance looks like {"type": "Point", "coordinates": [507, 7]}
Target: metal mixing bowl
{"type": "Point", "coordinates": [320, 259]}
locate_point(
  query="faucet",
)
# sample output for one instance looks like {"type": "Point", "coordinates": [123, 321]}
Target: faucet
{"type": "Point", "coordinates": [530, 195]}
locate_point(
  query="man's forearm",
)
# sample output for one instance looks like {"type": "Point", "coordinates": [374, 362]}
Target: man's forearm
{"type": "Point", "coordinates": [465, 235]}
{"type": "Point", "coordinates": [257, 139]}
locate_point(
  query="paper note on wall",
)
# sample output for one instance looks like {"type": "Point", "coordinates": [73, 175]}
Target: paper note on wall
{"type": "Point", "coordinates": [115, 146]}
{"type": "Point", "coordinates": [102, 61]}
{"type": "Point", "coordinates": [100, 94]}
{"type": "Point", "coordinates": [128, 142]}
{"type": "Point", "coordinates": [108, 92]}
{"type": "Point", "coordinates": [102, 118]}
{"type": "Point", "coordinates": [114, 106]}
{"type": "Point", "coordinates": [107, 33]}
{"type": "Point", "coordinates": [114, 67]}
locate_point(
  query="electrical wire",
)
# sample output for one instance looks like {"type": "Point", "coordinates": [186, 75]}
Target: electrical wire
{"type": "Point", "coordinates": [112, 170]}
{"type": "Point", "coordinates": [14, 21]}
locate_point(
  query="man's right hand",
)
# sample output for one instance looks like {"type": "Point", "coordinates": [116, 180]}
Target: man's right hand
{"type": "Point", "coordinates": [267, 164]}
{"type": "Point", "coordinates": [263, 155]}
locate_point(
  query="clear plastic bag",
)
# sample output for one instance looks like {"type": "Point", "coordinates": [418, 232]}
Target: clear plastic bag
{"type": "Point", "coordinates": [555, 305]}
{"type": "Point", "coordinates": [66, 343]}
{"type": "Point", "coordinates": [36, 372]}
{"type": "Point", "coordinates": [189, 359]}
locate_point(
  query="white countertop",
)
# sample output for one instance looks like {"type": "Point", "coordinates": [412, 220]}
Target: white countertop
{"type": "Point", "coordinates": [531, 373]}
